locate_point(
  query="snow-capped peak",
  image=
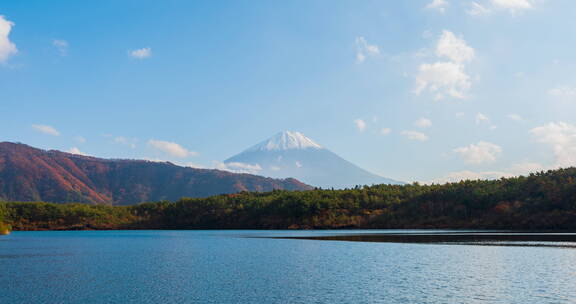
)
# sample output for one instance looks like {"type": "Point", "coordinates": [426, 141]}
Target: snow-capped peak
{"type": "Point", "coordinates": [286, 140]}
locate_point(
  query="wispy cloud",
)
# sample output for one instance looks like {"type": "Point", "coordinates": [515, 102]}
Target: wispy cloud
{"type": "Point", "coordinates": [171, 148]}
{"type": "Point", "coordinates": [515, 117]}
{"type": "Point", "coordinates": [457, 176]}
{"type": "Point", "coordinates": [142, 53]}
{"type": "Point", "coordinates": [480, 153]}
{"type": "Point", "coordinates": [477, 9]}
{"type": "Point", "coordinates": [523, 168]}
{"type": "Point", "coordinates": [46, 129]}
{"type": "Point", "coordinates": [423, 123]}
{"type": "Point", "coordinates": [414, 135]}
{"type": "Point", "coordinates": [513, 6]}
{"type": "Point", "coordinates": [360, 124]}
{"type": "Point", "coordinates": [364, 49]}
{"type": "Point", "coordinates": [127, 141]}
{"type": "Point", "coordinates": [439, 5]}
{"type": "Point", "coordinates": [61, 46]}
{"type": "Point", "coordinates": [563, 92]}
{"type": "Point", "coordinates": [239, 167]}
{"type": "Point", "coordinates": [482, 119]}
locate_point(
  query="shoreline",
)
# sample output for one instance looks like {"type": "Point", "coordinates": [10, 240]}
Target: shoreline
{"type": "Point", "coordinates": [502, 238]}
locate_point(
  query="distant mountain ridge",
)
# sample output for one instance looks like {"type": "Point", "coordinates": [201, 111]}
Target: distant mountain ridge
{"type": "Point", "coordinates": [30, 174]}
{"type": "Point", "coordinates": [292, 154]}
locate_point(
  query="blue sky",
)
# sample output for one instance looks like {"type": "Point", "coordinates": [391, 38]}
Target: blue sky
{"type": "Point", "coordinates": [412, 90]}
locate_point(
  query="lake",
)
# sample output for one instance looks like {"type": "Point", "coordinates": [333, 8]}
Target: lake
{"type": "Point", "coordinates": [251, 267]}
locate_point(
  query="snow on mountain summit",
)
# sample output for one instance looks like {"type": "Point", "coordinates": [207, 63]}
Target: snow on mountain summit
{"type": "Point", "coordinates": [287, 140]}
{"type": "Point", "coordinates": [291, 154]}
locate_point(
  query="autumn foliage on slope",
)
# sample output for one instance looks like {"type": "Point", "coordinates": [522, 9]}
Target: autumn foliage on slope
{"type": "Point", "coordinates": [30, 174]}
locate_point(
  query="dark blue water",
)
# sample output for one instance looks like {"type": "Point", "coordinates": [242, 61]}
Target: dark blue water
{"type": "Point", "coordinates": [227, 267]}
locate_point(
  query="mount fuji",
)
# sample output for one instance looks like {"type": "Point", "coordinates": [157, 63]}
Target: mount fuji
{"type": "Point", "coordinates": [291, 154]}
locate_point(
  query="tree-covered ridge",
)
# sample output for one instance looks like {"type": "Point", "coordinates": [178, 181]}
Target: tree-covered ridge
{"type": "Point", "coordinates": [30, 174]}
{"type": "Point", "coordinates": [545, 200]}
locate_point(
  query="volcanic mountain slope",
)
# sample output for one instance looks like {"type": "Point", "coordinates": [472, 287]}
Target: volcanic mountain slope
{"type": "Point", "coordinates": [30, 174]}
{"type": "Point", "coordinates": [291, 154]}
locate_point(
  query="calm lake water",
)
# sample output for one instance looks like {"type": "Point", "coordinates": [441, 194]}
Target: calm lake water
{"type": "Point", "coordinates": [234, 267]}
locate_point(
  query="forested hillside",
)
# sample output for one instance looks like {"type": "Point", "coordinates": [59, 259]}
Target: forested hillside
{"type": "Point", "coordinates": [30, 174]}
{"type": "Point", "coordinates": [545, 200]}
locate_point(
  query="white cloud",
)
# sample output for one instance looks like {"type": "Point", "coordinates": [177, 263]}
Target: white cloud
{"type": "Point", "coordinates": [141, 53]}
{"type": "Point", "coordinates": [480, 153]}
{"type": "Point", "coordinates": [80, 139]}
{"type": "Point", "coordinates": [443, 78]}
{"type": "Point", "coordinates": [127, 141]}
{"type": "Point", "coordinates": [512, 5]}
{"type": "Point", "coordinates": [481, 119]}
{"type": "Point", "coordinates": [364, 49]}
{"type": "Point", "coordinates": [561, 137]}
{"type": "Point", "coordinates": [515, 117]}
{"type": "Point", "coordinates": [171, 148]}
{"type": "Point", "coordinates": [46, 130]}
{"type": "Point", "coordinates": [61, 46]}
{"type": "Point", "coordinates": [514, 170]}
{"type": "Point", "coordinates": [75, 150]}
{"type": "Point", "coordinates": [239, 167]}
{"type": "Point", "coordinates": [385, 131]}
{"type": "Point", "coordinates": [7, 47]}
{"type": "Point", "coordinates": [423, 123]}
{"type": "Point", "coordinates": [414, 135]}
{"type": "Point", "coordinates": [360, 124]}
{"type": "Point", "coordinates": [454, 48]}
{"type": "Point", "coordinates": [565, 93]}
{"type": "Point", "coordinates": [454, 177]}
{"type": "Point", "coordinates": [439, 5]}
{"type": "Point", "coordinates": [526, 168]}
{"type": "Point", "coordinates": [446, 77]}
{"type": "Point", "coordinates": [477, 9]}
{"type": "Point", "coordinates": [298, 164]}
